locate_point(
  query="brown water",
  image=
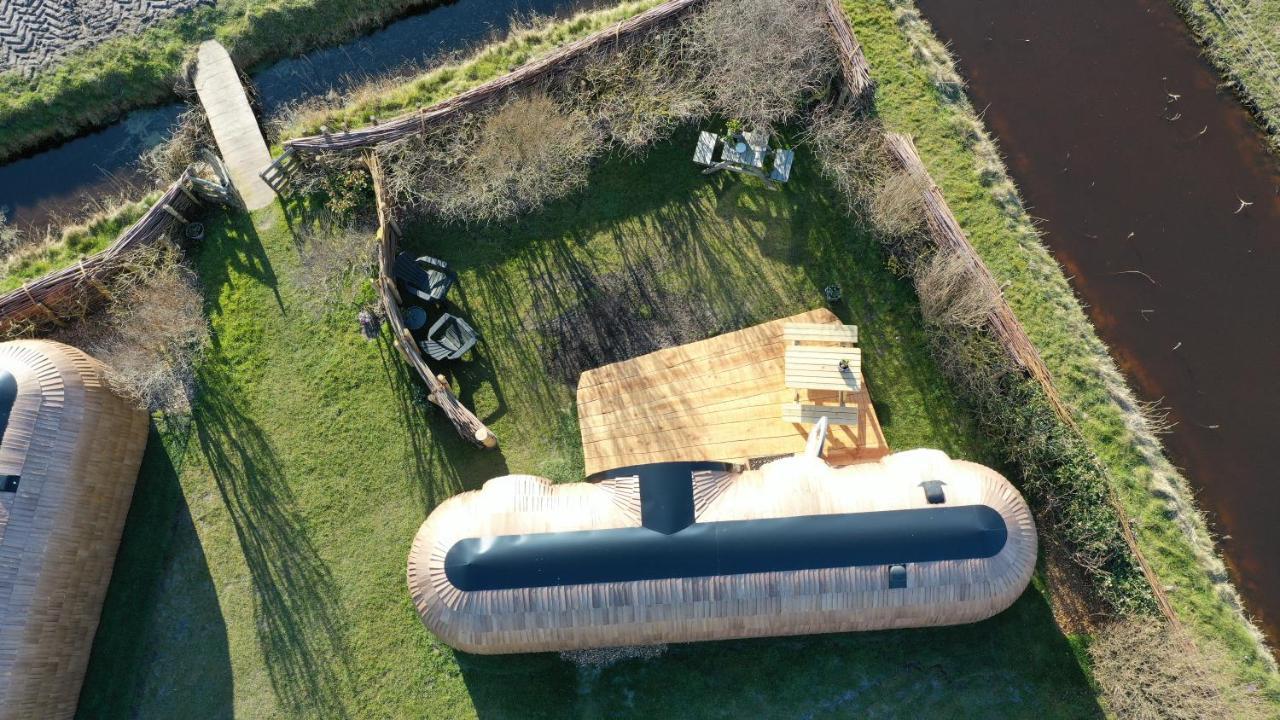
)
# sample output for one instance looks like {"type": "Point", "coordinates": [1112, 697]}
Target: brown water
{"type": "Point", "coordinates": [1127, 177]}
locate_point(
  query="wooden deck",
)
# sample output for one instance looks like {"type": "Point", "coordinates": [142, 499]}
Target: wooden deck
{"type": "Point", "coordinates": [718, 399]}
{"type": "Point", "coordinates": [234, 127]}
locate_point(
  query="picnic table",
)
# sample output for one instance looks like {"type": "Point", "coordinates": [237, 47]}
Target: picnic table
{"type": "Point", "coordinates": [821, 357]}
{"type": "Point", "coordinates": [747, 153]}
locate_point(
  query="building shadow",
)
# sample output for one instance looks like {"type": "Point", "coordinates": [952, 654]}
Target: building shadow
{"type": "Point", "coordinates": [161, 603]}
{"type": "Point", "coordinates": [297, 614]}
{"type": "Point", "coordinates": [991, 669]}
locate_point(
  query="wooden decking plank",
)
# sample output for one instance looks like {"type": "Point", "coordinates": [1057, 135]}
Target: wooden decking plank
{"type": "Point", "coordinates": [719, 398]}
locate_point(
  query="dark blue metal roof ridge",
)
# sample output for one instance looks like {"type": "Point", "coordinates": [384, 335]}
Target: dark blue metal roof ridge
{"type": "Point", "coordinates": [734, 547]}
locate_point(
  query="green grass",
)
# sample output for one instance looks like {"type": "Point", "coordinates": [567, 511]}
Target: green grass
{"type": "Point", "coordinates": [953, 145]}
{"type": "Point", "coordinates": [98, 85]}
{"type": "Point", "coordinates": [262, 569]}
{"type": "Point", "coordinates": [71, 246]}
{"type": "Point", "coordinates": [1243, 43]}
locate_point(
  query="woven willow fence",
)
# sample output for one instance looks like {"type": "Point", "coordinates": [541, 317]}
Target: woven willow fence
{"type": "Point", "coordinates": [946, 233]}
{"type": "Point", "coordinates": [853, 63]}
{"type": "Point", "coordinates": [467, 424]}
{"type": "Point", "coordinates": [72, 291]}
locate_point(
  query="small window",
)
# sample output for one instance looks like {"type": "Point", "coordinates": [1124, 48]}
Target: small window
{"type": "Point", "coordinates": [10, 483]}
{"type": "Point", "coordinates": [897, 576]}
{"type": "Point", "coordinates": [933, 492]}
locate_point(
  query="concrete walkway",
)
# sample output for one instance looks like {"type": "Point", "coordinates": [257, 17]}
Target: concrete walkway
{"type": "Point", "coordinates": [234, 127]}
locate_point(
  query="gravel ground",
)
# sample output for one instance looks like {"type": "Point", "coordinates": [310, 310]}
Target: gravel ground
{"type": "Point", "coordinates": [35, 34]}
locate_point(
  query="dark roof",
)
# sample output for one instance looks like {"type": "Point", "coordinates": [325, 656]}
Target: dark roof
{"type": "Point", "coordinates": [671, 545]}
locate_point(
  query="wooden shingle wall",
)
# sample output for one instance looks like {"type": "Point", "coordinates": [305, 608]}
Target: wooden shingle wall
{"type": "Point", "coordinates": [76, 447]}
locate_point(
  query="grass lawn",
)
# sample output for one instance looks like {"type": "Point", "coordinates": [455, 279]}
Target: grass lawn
{"type": "Point", "coordinates": [1240, 37]}
{"type": "Point", "coordinates": [263, 567]}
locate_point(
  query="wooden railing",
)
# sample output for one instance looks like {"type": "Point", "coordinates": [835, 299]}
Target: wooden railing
{"type": "Point", "coordinates": [468, 425]}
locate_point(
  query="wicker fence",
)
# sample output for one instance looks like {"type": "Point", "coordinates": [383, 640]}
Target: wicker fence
{"type": "Point", "coordinates": [72, 291]}
{"type": "Point", "coordinates": [945, 231]}
{"type": "Point", "coordinates": [468, 425]}
{"type": "Point", "coordinates": [417, 121]}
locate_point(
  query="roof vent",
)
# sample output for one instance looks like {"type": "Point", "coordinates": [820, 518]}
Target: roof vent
{"type": "Point", "coordinates": [933, 492]}
{"type": "Point", "coordinates": [9, 483]}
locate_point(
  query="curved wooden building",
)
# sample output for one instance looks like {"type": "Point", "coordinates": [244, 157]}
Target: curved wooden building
{"type": "Point", "coordinates": [69, 455]}
{"type": "Point", "coordinates": [678, 552]}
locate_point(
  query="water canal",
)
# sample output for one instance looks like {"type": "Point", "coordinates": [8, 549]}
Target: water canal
{"type": "Point", "coordinates": [1123, 144]}
{"type": "Point", "coordinates": [58, 182]}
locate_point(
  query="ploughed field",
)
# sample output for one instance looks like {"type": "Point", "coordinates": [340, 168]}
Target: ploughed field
{"type": "Point", "coordinates": [263, 567]}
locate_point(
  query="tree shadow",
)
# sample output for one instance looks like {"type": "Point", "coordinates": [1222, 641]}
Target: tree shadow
{"type": "Point", "coordinates": [296, 609]}
{"type": "Point", "coordinates": [160, 604]}
{"type": "Point", "coordinates": [234, 248]}
{"type": "Point", "coordinates": [433, 444]}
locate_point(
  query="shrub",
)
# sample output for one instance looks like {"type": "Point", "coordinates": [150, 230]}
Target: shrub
{"type": "Point", "coordinates": [896, 206]}
{"type": "Point", "coordinates": [638, 94]}
{"type": "Point", "coordinates": [154, 333]}
{"type": "Point", "coordinates": [761, 57]}
{"type": "Point", "coordinates": [335, 260]}
{"type": "Point", "coordinates": [494, 166]}
{"type": "Point", "coordinates": [168, 160]}
{"type": "Point", "coordinates": [952, 293]}
{"type": "Point", "coordinates": [1148, 670]}
{"type": "Point", "coordinates": [851, 154]}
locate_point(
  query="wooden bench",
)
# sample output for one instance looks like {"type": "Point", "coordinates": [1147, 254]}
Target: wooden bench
{"type": "Point", "coordinates": [809, 414]}
{"type": "Point", "coordinates": [819, 332]}
{"type": "Point", "coordinates": [812, 367]}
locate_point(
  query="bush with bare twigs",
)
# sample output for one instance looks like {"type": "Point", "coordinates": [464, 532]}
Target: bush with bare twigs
{"type": "Point", "coordinates": [952, 293]}
{"type": "Point", "coordinates": [896, 206]}
{"type": "Point", "coordinates": [1149, 670]}
{"type": "Point", "coordinates": [335, 261]}
{"type": "Point", "coordinates": [762, 57]}
{"type": "Point", "coordinates": [11, 238]}
{"type": "Point", "coordinates": [640, 93]}
{"type": "Point", "coordinates": [153, 333]}
{"type": "Point", "coordinates": [851, 152]}
{"type": "Point", "coordinates": [497, 165]}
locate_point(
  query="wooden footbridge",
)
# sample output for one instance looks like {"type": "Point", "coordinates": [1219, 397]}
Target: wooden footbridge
{"type": "Point", "coordinates": [234, 127]}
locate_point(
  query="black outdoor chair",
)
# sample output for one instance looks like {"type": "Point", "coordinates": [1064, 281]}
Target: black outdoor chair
{"type": "Point", "coordinates": [449, 338]}
{"type": "Point", "coordinates": [427, 278]}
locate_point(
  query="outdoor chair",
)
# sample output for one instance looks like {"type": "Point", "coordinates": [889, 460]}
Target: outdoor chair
{"type": "Point", "coordinates": [449, 338]}
{"type": "Point", "coordinates": [427, 278]}
{"type": "Point", "coordinates": [706, 149]}
{"type": "Point", "coordinates": [782, 160]}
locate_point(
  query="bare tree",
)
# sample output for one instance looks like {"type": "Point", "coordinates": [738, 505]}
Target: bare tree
{"type": "Point", "coordinates": [762, 56]}
{"type": "Point", "coordinates": [1149, 670]}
